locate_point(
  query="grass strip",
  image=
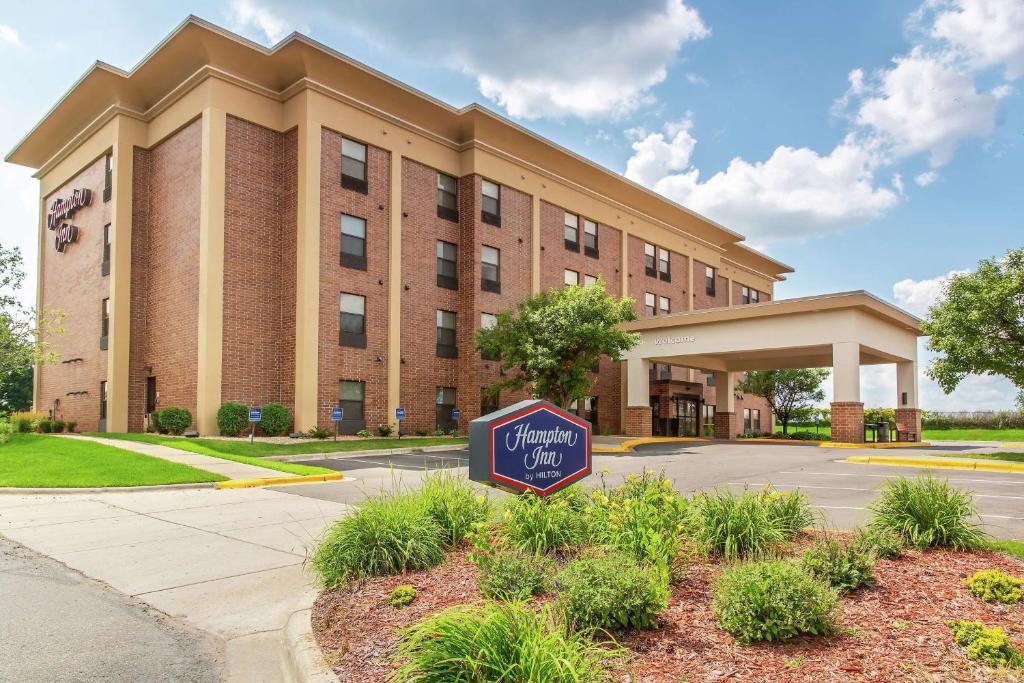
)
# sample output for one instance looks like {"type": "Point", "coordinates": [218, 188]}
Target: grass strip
{"type": "Point", "coordinates": [1015, 548]}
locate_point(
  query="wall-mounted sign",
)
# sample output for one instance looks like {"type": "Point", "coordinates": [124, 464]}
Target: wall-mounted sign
{"type": "Point", "coordinates": [529, 446]}
{"type": "Point", "coordinates": [65, 235]}
{"type": "Point", "coordinates": [682, 339]}
{"type": "Point", "coordinates": [63, 210]}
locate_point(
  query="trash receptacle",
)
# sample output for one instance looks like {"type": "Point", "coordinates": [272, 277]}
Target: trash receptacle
{"type": "Point", "coordinates": [883, 431]}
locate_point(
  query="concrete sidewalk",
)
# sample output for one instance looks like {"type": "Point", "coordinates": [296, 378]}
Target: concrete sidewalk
{"type": "Point", "coordinates": [228, 562]}
{"type": "Point", "coordinates": [225, 468]}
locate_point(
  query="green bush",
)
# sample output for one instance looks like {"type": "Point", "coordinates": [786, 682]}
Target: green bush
{"type": "Point", "coordinates": [983, 644]}
{"type": "Point", "coordinates": [23, 425]}
{"type": "Point", "coordinates": [175, 420]}
{"type": "Point", "coordinates": [928, 512]}
{"type": "Point", "coordinates": [387, 534]}
{"type": "Point", "coordinates": [454, 504]}
{"type": "Point", "coordinates": [58, 426]}
{"type": "Point", "coordinates": [402, 596]}
{"type": "Point", "coordinates": [6, 430]}
{"type": "Point", "coordinates": [512, 575]}
{"type": "Point", "coordinates": [364, 434]}
{"type": "Point", "coordinates": [232, 418]}
{"type": "Point", "coordinates": [772, 600]}
{"type": "Point", "coordinates": [884, 544]}
{"type": "Point", "coordinates": [153, 426]}
{"type": "Point", "coordinates": [501, 642]}
{"type": "Point", "coordinates": [319, 432]}
{"type": "Point", "coordinates": [611, 592]}
{"type": "Point", "coordinates": [384, 430]}
{"type": "Point", "coordinates": [541, 525]}
{"type": "Point", "coordinates": [274, 419]}
{"type": "Point", "coordinates": [994, 585]}
{"type": "Point", "coordinates": [422, 432]}
{"type": "Point", "coordinates": [72, 425]}
{"type": "Point", "coordinates": [750, 523]}
{"type": "Point", "coordinates": [844, 567]}
{"type": "Point", "coordinates": [46, 426]}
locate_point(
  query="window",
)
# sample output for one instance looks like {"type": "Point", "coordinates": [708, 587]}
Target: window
{"type": "Point", "coordinates": [490, 271]}
{"type": "Point", "coordinates": [446, 335]}
{"type": "Point", "coordinates": [490, 206]}
{"type": "Point", "coordinates": [447, 254]}
{"type": "Point", "coordinates": [487, 321]}
{"type": "Point", "coordinates": [444, 405]}
{"type": "Point", "coordinates": [105, 266]}
{"type": "Point", "coordinates": [751, 420]}
{"type": "Point", "coordinates": [709, 420]}
{"type": "Point", "coordinates": [353, 242]}
{"type": "Point", "coordinates": [447, 197]}
{"type": "Point", "coordinates": [150, 395]}
{"type": "Point", "coordinates": [571, 277]}
{"type": "Point", "coordinates": [649, 304]}
{"type": "Point", "coordinates": [709, 280]}
{"type": "Point", "coordinates": [103, 400]}
{"type": "Point", "coordinates": [351, 399]}
{"type": "Point", "coordinates": [353, 320]}
{"type": "Point", "coordinates": [649, 265]}
{"type": "Point", "coordinates": [488, 401]}
{"type": "Point", "coordinates": [108, 177]}
{"type": "Point", "coordinates": [572, 231]}
{"type": "Point", "coordinates": [589, 280]}
{"type": "Point", "coordinates": [665, 372]}
{"type": "Point", "coordinates": [664, 305]}
{"type": "Point", "coordinates": [710, 380]}
{"type": "Point", "coordinates": [745, 295]}
{"type": "Point", "coordinates": [353, 166]}
{"type": "Point", "coordinates": [104, 323]}
{"type": "Point", "coordinates": [755, 296]}
{"type": "Point", "coordinates": [664, 268]}
{"type": "Point", "coordinates": [590, 410]}
{"type": "Point", "coordinates": [590, 238]}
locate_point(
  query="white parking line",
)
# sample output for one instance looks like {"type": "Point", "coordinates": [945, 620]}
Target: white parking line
{"type": "Point", "coordinates": [889, 476]}
{"type": "Point", "coordinates": [1002, 517]}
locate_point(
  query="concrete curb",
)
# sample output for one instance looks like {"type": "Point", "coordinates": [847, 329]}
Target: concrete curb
{"type": "Point", "coordinates": [885, 445]}
{"type": "Point", "coordinates": [306, 661]}
{"type": "Point", "coordinates": [278, 481]}
{"type": "Point", "coordinates": [628, 445]}
{"type": "Point", "coordinates": [938, 463]}
{"type": "Point", "coordinates": [8, 490]}
{"type": "Point", "coordinates": [341, 455]}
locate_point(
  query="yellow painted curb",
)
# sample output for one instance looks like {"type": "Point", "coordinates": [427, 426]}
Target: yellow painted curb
{"type": "Point", "coordinates": [1011, 444]}
{"type": "Point", "coordinates": [951, 464]}
{"type": "Point", "coordinates": [628, 445]}
{"type": "Point", "coordinates": [278, 481]}
{"type": "Point", "coordinates": [890, 444]}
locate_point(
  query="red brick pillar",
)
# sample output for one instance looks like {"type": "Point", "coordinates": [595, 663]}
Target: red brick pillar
{"type": "Point", "coordinates": [911, 419]}
{"type": "Point", "coordinates": [848, 422]}
{"type": "Point", "coordinates": [638, 421]}
{"type": "Point", "coordinates": [726, 425]}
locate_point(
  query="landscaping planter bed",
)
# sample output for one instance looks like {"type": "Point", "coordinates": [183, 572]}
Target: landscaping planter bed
{"type": "Point", "coordinates": [894, 631]}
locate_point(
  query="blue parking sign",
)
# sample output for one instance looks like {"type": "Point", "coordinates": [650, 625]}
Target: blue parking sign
{"type": "Point", "coordinates": [456, 414]}
{"type": "Point", "coordinates": [399, 414]}
{"type": "Point", "coordinates": [337, 414]}
{"type": "Point", "coordinates": [255, 414]}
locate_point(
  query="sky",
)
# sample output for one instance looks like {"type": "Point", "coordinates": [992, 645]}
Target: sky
{"type": "Point", "coordinates": [874, 145]}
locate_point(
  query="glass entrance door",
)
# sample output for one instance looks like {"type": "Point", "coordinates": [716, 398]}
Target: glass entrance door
{"type": "Point", "coordinates": [685, 415]}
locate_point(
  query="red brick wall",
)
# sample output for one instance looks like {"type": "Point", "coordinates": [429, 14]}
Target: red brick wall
{"type": "Point", "coordinates": [701, 299]}
{"type": "Point", "coordinates": [910, 418]}
{"type": "Point", "coordinates": [848, 422]}
{"type": "Point", "coordinates": [259, 257]}
{"type": "Point", "coordinates": [72, 282]}
{"type": "Point", "coordinates": [165, 273]}
{"type": "Point", "coordinates": [638, 421]}
{"type": "Point", "coordinates": [342, 362]}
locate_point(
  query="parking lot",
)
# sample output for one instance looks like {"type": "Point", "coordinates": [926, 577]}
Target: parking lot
{"type": "Point", "coordinates": [840, 491]}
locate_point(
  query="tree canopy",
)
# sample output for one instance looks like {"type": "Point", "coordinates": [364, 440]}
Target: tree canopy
{"type": "Point", "coordinates": [977, 326]}
{"type": "Point", "coordinates": [20, 347]}
{"type": "Point", "coordinates": [551, 342]}
{"type": "Point", "coordinates": [790, 393]}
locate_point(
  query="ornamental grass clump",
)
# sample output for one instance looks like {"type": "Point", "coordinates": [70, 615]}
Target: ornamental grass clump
{"type": "Point", "coordinates": [611, 592]}
{"type": "Point", "coordinates": [501, 642]}
{"type": "Point", "coordinates": [987, 645]}
{"type": "Point", "coordinates": [772, 600]}
{"type": "Point", "coordinates": [389, 534]}
{"type": "Point", "coordinates": [845, 567]}
{"type": "Point", "coordinates": [886, 545]}
{"type": "Point", "coordinates": [748, 524]}
{"type": "Point", "coordinates": [994, 585]}
{"type": "Point", "coordinates": [513, 575]}
{"type": "Point", "coordinates": [540, 525]}
{"type": "Point", "coordinates": [928, 512]}
{"type": "Point", "coordinates": [453, 503]}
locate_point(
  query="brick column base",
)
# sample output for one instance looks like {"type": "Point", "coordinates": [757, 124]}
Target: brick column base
{"type": "Point", "coordinates": [638, 421]}
{"type": "Point", "coordinates": [848, 422]}
{"type": "Point", "coordinates": [911, 419]}
{"type": "Point", "coordinates": [727, 425]}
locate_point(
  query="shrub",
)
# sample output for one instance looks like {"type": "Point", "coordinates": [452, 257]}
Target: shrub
{"type": "Point", "coordinates": [544, 524]}
{"type": "Point", "coordinates": [512, 575]}
{"type": "Point", "coordinates": [453, 504]}
{"type": "Point", "coordinates": [45, 426]}
{"type": "Point", "coordinates": [232, 418]}
{"type": "Point", "coordinates": [422, 432]}
{"type": "Point", "coordinates": [274, 419]}
{"type": "Point", "coordinates": [884, 544]}
{"type": "Point", "coordinates": [387, 534]}
{"type": "Point", "coordinates": [364, 434]}
{"type": "Point", "coordinates": [438, 432]}
{"type": "Point", "coordinates": [611, 592]}
{"type": "Point", "coordinates": [993, 585]}
{"type": "Point", "coordinates": [928, 512]}
{"type": "Point", "coordinates": [319, 432]}
{"type": "Point", "coordinates": [402, 596]}
{"type": "Point", "coordinates": [72, 425]}
{"type": "Point", "coordinates": [749, 523]}
{"type": "Point", "coordinates": [772, 600]}
{"type": "Point", "coordinates": [175, 420]}
{"type": "Point", "coordinates": [153, 425]}
{"type": "Point", "coordinates": [501, 642]}
{"type": "Point", "coordinates": [58, 426]}
{"type": "Point", "coordinates": [26, 421]}
{"type": "Point", "coordinates": [6, 430]}
{"type": "Point", "coordinates": [844, 567]}
{"type": "Point", "coordinates": [987, 645]}
{"type": "Point", "coordinates": [384, 430]}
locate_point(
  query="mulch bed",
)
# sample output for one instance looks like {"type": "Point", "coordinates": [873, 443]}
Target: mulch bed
{"type": "Point", "coordinates": [894, 631]}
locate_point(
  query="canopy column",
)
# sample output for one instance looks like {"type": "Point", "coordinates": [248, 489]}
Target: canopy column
{"type": "Point", "coordinates": [908, 415]}
{"type": "Point", "coordinates": [847, 408]}
{"type": "Point", "coordinates": [638, 398]}
{"type": "Point", "coordinates": [726, 421]}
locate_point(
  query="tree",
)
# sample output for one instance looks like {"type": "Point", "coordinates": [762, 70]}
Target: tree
{"type": "Point", "coordinates": [22, 329]}
{"type": "Point", "coordinates": [553, 340]}
{"type": "Point", "coordinates": [977, 326]}
{"type": "Point", "coordinates": [16, 390]}
{"type": "Point", "coordinates": [788, 392]}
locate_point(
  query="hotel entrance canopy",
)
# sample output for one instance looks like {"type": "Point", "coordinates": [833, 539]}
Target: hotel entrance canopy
{"type": "Point", "coordinates": [842, 331]}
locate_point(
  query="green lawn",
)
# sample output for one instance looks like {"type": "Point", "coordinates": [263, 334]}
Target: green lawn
{"type": "Point", "coordinates": [214, 448]}
{"type": "Point", "coordinates": [39, 460]}
{"type": "Point", "coordinates": [938, 434]}
{"type": "Point", "coordinates": [1015, 548]}
{"type": "Point", "coordinates": [259, 450]}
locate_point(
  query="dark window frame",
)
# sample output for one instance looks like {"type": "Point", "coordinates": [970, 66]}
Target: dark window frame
{"type": "Point", "coordinates": [447, 338]}
{"type": "Point", "coordinates": [664, 310]}
{"type": "Point", "coordinates": [710, 279]}
{"type": "Point", "coordinates": [651, 309]}
{"type": "Point", "coordinates": [591, 250]}
{"type": "Point", "coordinates": [490, 215]}
{"type": "Point", "coordinates": [351, 338]}
{"type": "Point", "coordinates": [665, 274]}
{"type": "Point", "coordinates": [108, 177]}
{"type": "Point", "coordinates": [489, 284]}
{"type": "Point", "coordinates": [443, 411]}
{"type": "Point", "coordinates": [450, 213]}
{"type": "Point", "coordinates": [103, 399]}
{"type": "Point", "coordinates": [105, 264]}
{"type": "Point", "coordinates": [566, 274]}
{"type": "Point", "coordinates": [445, 279]}
{"type": "Point", "coordinates": [354, 182]}
{"type": "Point", "coordinates": [574, 243]}
{"type": "Point", "coordinates": [150, 394]}
{"type": "Point", "coordinates": [350, 425]}
{"type": "Point", "coordinates": [104, 323]}
{"type": "Point", "coordinates": [650, 260]}
{"type": "Point", "coordinates": [349, 259]}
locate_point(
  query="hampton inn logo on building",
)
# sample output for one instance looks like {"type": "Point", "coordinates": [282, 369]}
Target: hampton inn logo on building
{"type": "Point", "coordinates": [63, 210]}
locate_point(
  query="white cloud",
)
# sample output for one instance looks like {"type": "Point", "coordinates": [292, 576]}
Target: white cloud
{"type": "Point", "coordinates": [244, 15]}
{"type": "Point", "coordinates": [655, 154]}
{"type": "Point", "coordinates": [927, 178]}
{"type": "Point", "coordinates": [988, 32]}
{"type": "Point", "coordinates": [19, 217]}
{"type": "Point", "coordinates": [696, 79]}
{"type": "Point", "coordinates": [917, 296]}
{"type": "Point", "coordinates": [8, 36]}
